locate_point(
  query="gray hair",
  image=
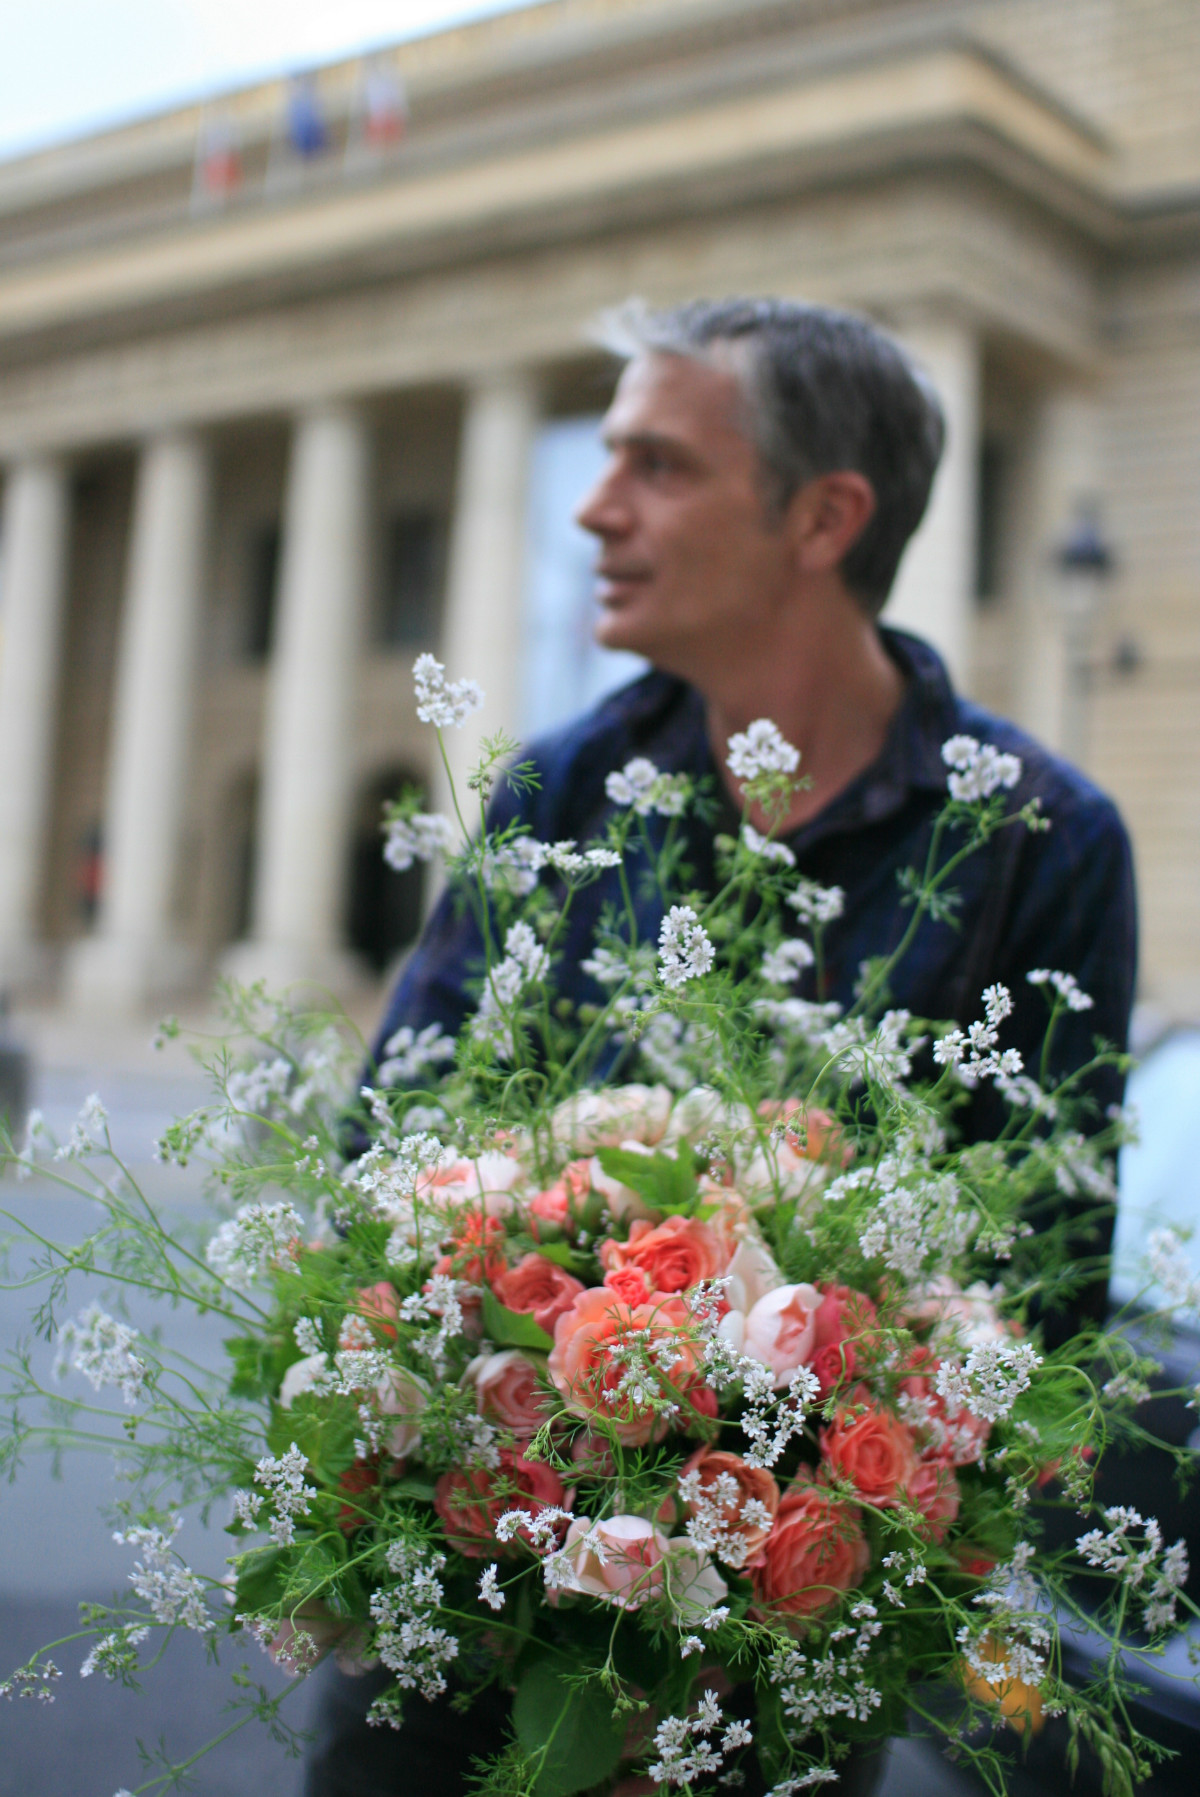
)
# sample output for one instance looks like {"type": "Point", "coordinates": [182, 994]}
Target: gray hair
{"type": "Point", "coordinates": [824, 391]}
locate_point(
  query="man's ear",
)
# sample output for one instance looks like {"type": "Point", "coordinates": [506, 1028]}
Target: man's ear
{"type": "Point", "coordinates": [826, 518]}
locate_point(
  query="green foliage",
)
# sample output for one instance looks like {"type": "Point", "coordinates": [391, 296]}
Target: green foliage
{"type": "Point", "coordinates": [565, 1725]}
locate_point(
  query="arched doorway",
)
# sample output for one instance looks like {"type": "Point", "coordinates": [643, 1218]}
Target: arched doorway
{"type": "Point", "coordinates": [384, 908]}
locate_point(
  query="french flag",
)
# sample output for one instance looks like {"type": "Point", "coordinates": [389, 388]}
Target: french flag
{"type": "Point", "coordinates": [385, 107]}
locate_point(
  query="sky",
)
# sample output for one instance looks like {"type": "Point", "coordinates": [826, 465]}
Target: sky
{"type": "Point", "coordinates": [69, 67]}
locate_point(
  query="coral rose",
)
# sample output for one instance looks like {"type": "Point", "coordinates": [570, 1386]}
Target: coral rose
{"type": "Point", "coordinates": [475, 1252]}
{"type": "Point", "coordinates": [674, 1255]}
{"type": "Point", "coordinates": [619, 1560]}
{"type": "Point", "coordinates": [510, 1389]}
{"type": "Point", "coordinates": [734, 1503]}
{"type": "Point", "coordinates": [815, 1551]}
{"type": "Point", "coordinates": [870, 1447]}
{"type": "Point", "coordinates": [843, 1325]}
{"type": "Point", "coordinates": [380, 1304]}
{"type": "Point", "coordinates": [629, 1284]}
{"type": "Point", "coordinates": [566, 1205]}
{"type": "Point", "coordinates": [471, 1500]}
{"type": "Point", "coordinates": [780, 1329]}
{"type": "Point", "coordinates": [538, 1288]}
{"type": "Point", "coordinates": [600, 1339]}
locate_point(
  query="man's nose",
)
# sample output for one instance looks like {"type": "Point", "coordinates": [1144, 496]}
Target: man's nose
{"type": "Point", "coordinates": [602, 510]}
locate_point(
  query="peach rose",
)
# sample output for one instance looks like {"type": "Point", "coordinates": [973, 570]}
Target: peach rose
{"type": "Point", "coordinates": [780, 1329]}
{"type": "Point", "coordinates": [380, 1304]}
{"type": "Point", "coordinates": [584, 1362]}
{"type": "Point", "coordinates": [842, 1326]}
{"type": "Point", "coordinates": [871, 1448]}
{"type": "Point", "coordinates": [674, 1255]}
{"type": "Point", "coordinates": [952, 1437]}
{"type": "Point", "coordinates": [933, 1490]}
{"type": "Point", "coordinates": [538, 1288]}
{"type": "Point", "coordinates": [471, 1501]}
{"type": "Point", "coordinates": [815, 1551]}
{"type": "Point", "coordinates": [403, 1395]}
{"type": "Point", "coordinates": [592, 1120]}
{"type": "Point", "coordinates": [721, 1488]}
{"type": "Point", "coordinates": [619, 1560]}
{"type": "Point", "coordinates": [510, 1389]}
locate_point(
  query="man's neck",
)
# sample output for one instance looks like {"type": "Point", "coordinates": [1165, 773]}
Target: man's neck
{"type": "Point", "coordinates": [826, 681]}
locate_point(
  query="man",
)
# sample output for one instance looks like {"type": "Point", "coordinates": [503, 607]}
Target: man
{"type": "Point", "coordinates": [768, 463]}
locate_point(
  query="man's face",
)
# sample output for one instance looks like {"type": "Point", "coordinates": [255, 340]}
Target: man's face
{"type": "Point", "coordinates": [690, 559]}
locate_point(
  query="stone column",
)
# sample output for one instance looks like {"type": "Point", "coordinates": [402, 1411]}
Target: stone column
{"type": "Point", "coordinates": [934, 593]}
{"type": "Point", "coordinates": [32, 591]}
{"type": "Point", "coordinates": [305, 810]}
{"type": "Point", "coordinates": [485, 584]}
{"type": "Point", "coordinates": [134, 955]}
{"type": "Point", "coordinates": [1061, 469]}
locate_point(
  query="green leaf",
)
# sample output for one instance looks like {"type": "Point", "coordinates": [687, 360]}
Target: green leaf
{"type": "Point", "coordinates": [261, 1575]}
{"type": "Point", "coordinates": [668, 1182]}
{"type": "Point", "coordinates": [512, 1328]}
{"type": "Point", "coordinates": [585, 1738]}
{"type": "Point", "coordinates": [563, 1255]}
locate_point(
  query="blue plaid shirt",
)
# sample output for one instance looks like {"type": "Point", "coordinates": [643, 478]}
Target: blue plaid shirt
{"type": "Point", "coordinates": [1062, 898]}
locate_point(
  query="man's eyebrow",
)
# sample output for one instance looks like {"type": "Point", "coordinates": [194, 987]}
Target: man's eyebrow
{"type": "Point", "coordinates": [643, 439]}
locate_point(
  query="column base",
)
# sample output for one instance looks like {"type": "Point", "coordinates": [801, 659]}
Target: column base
{"type": "Point", "coordinates": [26, 968]}
{"type": "Point", "coordinates": [106, 973]}
{"type": "Point", "coordinates": [309, 976]}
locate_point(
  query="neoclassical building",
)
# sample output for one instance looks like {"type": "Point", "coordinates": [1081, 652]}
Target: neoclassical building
{"type": "Point", "coordinates": [265, 437]}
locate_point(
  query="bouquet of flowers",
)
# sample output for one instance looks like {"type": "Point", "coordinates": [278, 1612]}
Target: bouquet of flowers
{"type": "Point", "coordinates": [668, 1360]}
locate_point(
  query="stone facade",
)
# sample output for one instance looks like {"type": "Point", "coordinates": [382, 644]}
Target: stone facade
{"type": "Point", "coordinates": [260, 448]}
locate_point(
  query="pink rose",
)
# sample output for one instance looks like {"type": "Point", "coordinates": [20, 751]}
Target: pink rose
{"type": "Point", "coordinates": [815, 1551]}
{"type": "Point", "coordinates": [870, 1447]}
{"type": "Point", "coordinates": [843, 1326]}
{"type": "Point", "coordinates": [538, 1288]}
{"type": "Point", "coordinates": [471, 1501]}
{"type": "Point", "coordinates": [560, 1206]}
{"type": "Point", "coordinates": [780, 1329]}
{"type": "Point", "coordinates": [587, 1368]}
{"type": "Point", "coordinates": [674, 1255]}
{"type": "Point", "coordinates": [951, 1436]}
{"type": "Point", "coordinates": [631, 1570]}
{"type": "Point", "coordinates": [485, 1183]}
{"type": "Point", "coordinates": [933, 1490]}
{"type": "Point", "coordinates": [592, 1120]}
{"type": "Point", "coordinates": [403, 1395]}
{"type": "Point", "coordinates": [510, 1390]}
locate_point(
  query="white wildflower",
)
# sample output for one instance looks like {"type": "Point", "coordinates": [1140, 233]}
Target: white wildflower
{"type": "Point", "coordinates": [644, 788]}
{"type": "Point", "coordinates": [259, 1238]}
{"type": "Point", "coordinates": [816, 904]}
{"type": "Point", "coordinates": [410, 1053]}
{"type": "Point", "coordinates": [438, 702]}
{"type": "Point", "coordinates": [1141, 1565]}
{"type": "Point", "coordinates": [766, 847]}
{"type": "Point", "coordinates": [1065, 984]}
{"type": "Point", "coordinates": [565, 859]}
{"type": "Point", "coordinates": [419, 837]}
{"type": "Point", "coordinates": [760, 749]}
{"type": "Point", "coordinates": [114, 1656]}
{"type": "Point", "coordinates": [684, 949]}
{"type": "Point", "coordinates": [980, 769]}
{"type": "Point", "coordinates": [525, 962]}
{"type": "Point", "coordinates": [102, 1350]}
{"type": "Point", "coordinates": [1171, 1269]}
{"type": "Point", "coordinates": [89, 1131]}
{"type": "Point", "coordinates": [160, 1578]}
{"type": "Point", "coordinates": [489, 1589]}
{"type": "Point", "coordinates": [991, 1379]}
{"type": "Point", "coordinates": [781, 966]}
{"type": "Point", "coordinates": [287, 1491]}
{"type": "Point", "coordinates": [684, 1751]}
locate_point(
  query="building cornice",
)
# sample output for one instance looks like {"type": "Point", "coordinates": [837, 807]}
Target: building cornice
{"type": "Point", "coordinates": [936, 105]}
